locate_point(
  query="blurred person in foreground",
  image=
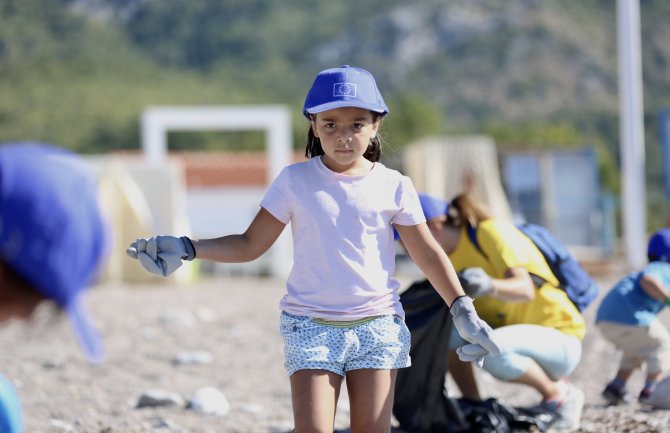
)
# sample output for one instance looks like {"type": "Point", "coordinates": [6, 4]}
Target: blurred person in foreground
{"type": "Point", "coordinates": [538, 326]}
{"type": "Point", "coordinates": [52, 243]}
{"type": "Point", "coordinates": [627, 317]}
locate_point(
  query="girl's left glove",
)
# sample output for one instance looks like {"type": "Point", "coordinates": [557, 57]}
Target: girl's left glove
{"type": "Point", "coordinates": [473, 329]}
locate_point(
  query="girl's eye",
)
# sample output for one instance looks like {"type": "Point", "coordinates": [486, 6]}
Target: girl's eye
{"type": "Point", "coordinates": [329, 125]}
{"type": "Point", "coordinates": [357, 125]}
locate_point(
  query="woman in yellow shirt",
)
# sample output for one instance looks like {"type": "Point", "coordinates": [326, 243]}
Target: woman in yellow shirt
{"type": "Point", "coordinates": [539, 328]}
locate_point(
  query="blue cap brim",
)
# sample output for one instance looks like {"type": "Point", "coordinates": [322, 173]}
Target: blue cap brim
{"type": "Point", "coordinates": [344, 104]}
{"type": "Point", "coordinates": [433, 207]}
{"type": "Point", "coordinates": [88, 337]}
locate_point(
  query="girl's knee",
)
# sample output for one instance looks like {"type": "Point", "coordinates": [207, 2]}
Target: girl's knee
{"type": "Point", "coordinates": [507, 366]}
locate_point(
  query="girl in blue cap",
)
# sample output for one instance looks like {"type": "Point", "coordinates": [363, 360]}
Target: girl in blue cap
{"type": "Point", "coordinates": [341, 316]}
{"type": "Point", "coordinates": [627, 317]}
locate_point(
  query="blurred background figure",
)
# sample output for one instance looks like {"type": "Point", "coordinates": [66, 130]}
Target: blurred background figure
{"type": "Point", "coordinates": [628, 318]}
{"type": "Point", "coordinates": [541, 328]}
{"type": "Point", "coordinates": [53, 240]}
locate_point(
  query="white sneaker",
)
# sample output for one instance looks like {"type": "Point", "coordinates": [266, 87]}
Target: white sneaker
{"type": "Point", "coordinates": [569, 410]}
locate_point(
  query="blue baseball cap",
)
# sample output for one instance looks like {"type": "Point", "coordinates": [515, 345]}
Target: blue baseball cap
{"type": "Point", "coordinates": [659, 244]}
{"type": "Point", "coordinates": [432, 208]}
{"type": "Point", "coordinates": [344, 87]}
{"type": "Point", "coordinates": [52, 231]}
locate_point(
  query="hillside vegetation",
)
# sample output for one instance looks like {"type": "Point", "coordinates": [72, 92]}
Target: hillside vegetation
{"type": "Point", "coordinates": [531, 73]}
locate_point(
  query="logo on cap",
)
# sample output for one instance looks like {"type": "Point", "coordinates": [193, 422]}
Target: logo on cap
{"type": "Point", "coordinates": [344, 89]}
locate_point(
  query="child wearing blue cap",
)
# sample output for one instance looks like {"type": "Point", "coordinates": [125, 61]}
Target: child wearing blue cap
{"type": "Point", "coordinates": [627, 317]}
{"type": "Point", "coordinates": [341, 316]}
{"type": "Point", "coordinates": [52, 243]}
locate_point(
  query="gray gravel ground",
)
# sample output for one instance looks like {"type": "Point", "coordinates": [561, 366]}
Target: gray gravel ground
{"type": "Point", "coordinates": [236, 321]}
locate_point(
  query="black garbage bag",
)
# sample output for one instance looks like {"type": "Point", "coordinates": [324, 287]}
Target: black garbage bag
{"type": "Point", "coordinates": [493, 416]}
{"type": "Point", "coordinates": [421, 402]}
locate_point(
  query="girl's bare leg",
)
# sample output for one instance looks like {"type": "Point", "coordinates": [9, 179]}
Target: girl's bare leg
{"type": "Point", "coordinates": [535, 377]}
{"type": "Point", "coordinates": [314, 394]}
{"type": "Point", "coordinates": [464, 376]}
{"type": "Point", "coordinates": [371, 399]}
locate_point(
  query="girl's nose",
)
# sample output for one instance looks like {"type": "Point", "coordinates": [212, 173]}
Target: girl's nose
{"type": "Point", "coordinates": [344, 138]}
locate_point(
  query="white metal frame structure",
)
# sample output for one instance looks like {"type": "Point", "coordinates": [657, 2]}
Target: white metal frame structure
{"type": "Point", "coordinates": [274, 120]}
{"type": "Point", "coordinates": [631, 121]}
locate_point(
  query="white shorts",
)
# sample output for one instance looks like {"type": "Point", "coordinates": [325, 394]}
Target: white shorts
{"type": "Point", "coordinates": [382, 343]}
{"type": "Point", "coordinates": [650, 344]}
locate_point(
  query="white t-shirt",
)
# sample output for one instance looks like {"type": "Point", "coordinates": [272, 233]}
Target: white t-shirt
{"type": "Point", "coordinates": [343, 247]}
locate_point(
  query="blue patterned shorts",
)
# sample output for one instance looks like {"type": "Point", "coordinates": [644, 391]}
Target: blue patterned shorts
{"type": "Point", "coordinates": [382, 343]}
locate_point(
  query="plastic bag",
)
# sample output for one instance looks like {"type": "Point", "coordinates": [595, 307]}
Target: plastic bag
{"type": "Point", "coordinates": [421, 403]}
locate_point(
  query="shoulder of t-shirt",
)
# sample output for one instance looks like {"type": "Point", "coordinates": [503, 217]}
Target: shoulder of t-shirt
{"type": "Point", "coordinates": [391, 173]}
{"type": "Point", "coordinates": [627, 280]}
{"type": "Point", "coordinates": [658, 268]}
{"type": "Point", "coordinates": [299, 167]}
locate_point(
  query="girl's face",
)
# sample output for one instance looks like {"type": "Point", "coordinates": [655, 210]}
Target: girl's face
{"type": "Point", "coordinates": [446, 235]}
{"type": "Point", "coordinates": [17, 300]}
{"type": "Point", "coordinates": [345, 134]}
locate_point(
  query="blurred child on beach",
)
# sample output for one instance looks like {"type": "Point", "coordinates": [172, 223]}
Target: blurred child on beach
{"type": "Point", "coordinates": [627, 317]}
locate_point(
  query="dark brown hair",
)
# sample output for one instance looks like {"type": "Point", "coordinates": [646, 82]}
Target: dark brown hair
{"type": "Point", "coordinates": [373, 152]}
{"type": "Point", "coordinates": [464, 209]}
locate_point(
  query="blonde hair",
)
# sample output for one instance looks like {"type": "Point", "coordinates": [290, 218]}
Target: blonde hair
{"type": "Point", "coordinates": [464, 209]}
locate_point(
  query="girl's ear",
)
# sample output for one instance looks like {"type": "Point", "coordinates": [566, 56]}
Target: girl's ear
{"type": "Point", "coordinates": [312, 124]}
{"type": "Point", "coordinates": [375, 126]}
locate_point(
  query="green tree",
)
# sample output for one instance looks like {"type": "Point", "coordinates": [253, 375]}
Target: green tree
{"type": "Point", "coordinates": [410, 117]}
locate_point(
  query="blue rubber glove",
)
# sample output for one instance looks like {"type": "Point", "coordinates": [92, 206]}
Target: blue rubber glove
{"type": "Point", "coordinates": [162, 255]}
{"type": "Point", "coordinates": [476, 282]}
{"type": "Point", "coordinates": [472, 329]}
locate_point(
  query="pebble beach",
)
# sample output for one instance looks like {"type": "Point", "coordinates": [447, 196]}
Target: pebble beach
{"type": "Point", "coordinates": [207, 357]}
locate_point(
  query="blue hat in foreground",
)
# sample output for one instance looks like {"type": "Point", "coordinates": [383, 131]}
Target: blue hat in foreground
{"type": "Point", "coordinates": [52, 232]}
{"type": "Point", "coordinates": [344, 87]}
{"type": "Point", "coordinates": [432, 208]}
{"type": "Point", "coordinates": [659, 245]}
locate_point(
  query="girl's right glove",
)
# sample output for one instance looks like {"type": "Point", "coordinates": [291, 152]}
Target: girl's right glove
{"type": "Point", "coordinates": [473, 329]}
{"type": "Point", "coordinates": [162, 255]}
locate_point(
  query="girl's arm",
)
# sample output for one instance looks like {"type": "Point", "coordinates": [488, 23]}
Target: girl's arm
{"type": "Point", "coordinates": [256, 240]}
{"type": "Point", "coordinates": [517, 286]}
{"type": "Point", "coordinates": [432, 260]}
{"type": "Point", "coordinates": [436, 266]}
{"type": "Point", "coordinates": [654, 288]}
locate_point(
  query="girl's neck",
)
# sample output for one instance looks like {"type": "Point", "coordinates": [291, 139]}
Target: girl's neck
{"type": "Point", "coordinates": [358, 168]}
